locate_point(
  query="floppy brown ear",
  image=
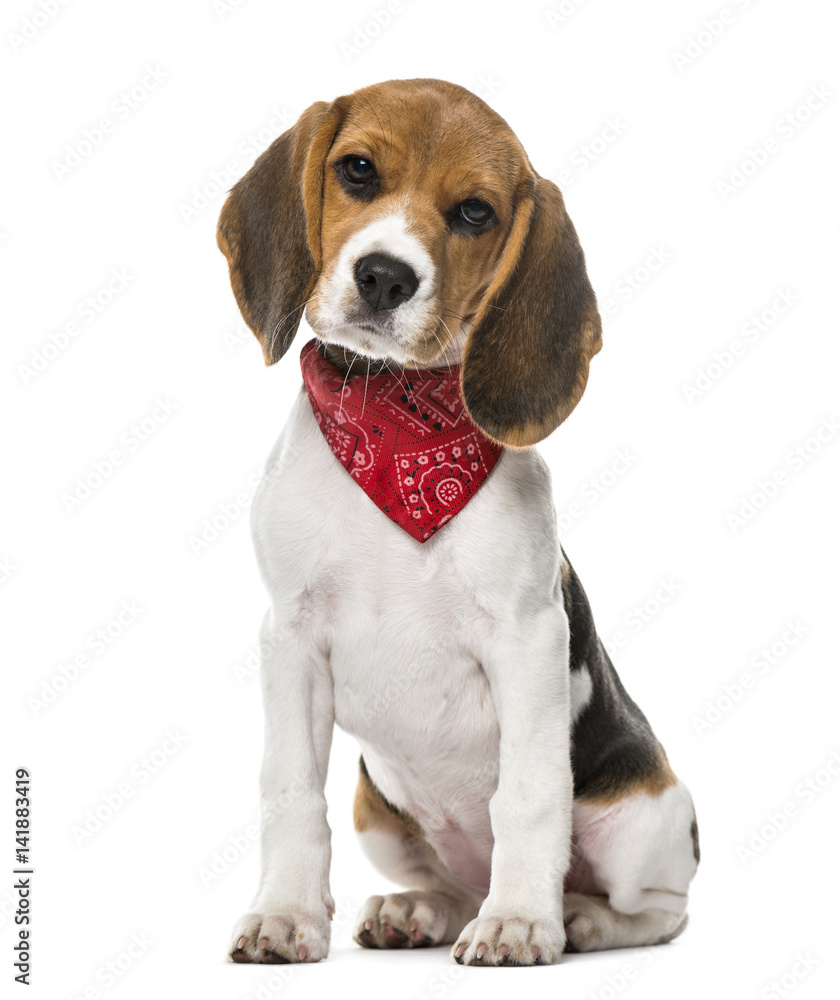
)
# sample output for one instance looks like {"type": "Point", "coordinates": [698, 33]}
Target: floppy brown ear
{"type": "Point", "coordinates": [526, 360]}
{"type": "Point", "coordinates": [269, 228]}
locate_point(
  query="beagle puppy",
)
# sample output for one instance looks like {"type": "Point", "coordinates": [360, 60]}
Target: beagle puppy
{"type": "Point", "coordinates": [405, 532]}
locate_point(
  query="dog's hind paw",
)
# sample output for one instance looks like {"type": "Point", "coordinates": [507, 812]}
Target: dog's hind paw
{"type": "Point", "coordinates": [403, 920]}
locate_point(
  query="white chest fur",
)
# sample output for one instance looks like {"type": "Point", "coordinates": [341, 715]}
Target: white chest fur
{"type": "Point", "coordinates": [406, 627]}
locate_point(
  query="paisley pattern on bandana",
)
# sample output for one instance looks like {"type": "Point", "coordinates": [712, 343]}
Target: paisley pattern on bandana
{"type": "Point", "coordinates": [407, 440]}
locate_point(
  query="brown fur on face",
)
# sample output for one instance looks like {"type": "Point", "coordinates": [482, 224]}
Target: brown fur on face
{"type": "Point", "coordinates": [518, 291]}
{"type": "Point", "coordinates": [434, 145]}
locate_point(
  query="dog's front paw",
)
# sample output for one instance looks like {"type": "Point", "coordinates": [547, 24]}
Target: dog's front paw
{"type": "Point", "coordinates": [509, 941]}
{"type": "Point", "coordinates": [279, 938]}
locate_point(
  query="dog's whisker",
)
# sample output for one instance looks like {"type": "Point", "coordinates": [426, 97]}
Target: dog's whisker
{"type": "Point", "coordinates": [443, 349]}
{"type": "Point", "coordinates": [343, 384]}
{"type": "Point", "coordinates": [367, 376]}
{"type": "Point", "coordinates": [440, 343]}
{"type": "Point", "coordinates": [280, 322]}
{"type": "Point", "coordinates": [463, 320]}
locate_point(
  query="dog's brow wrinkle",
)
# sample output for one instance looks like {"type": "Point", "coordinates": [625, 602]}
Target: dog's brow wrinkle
{"type": "Point", "coordinates": [465, 174]}
{"type": "Point", "coordinates": [371, 139]}
{"type": "Point", "coordinates": [390, 132]}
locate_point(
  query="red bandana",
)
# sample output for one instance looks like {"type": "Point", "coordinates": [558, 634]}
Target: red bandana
{"type": "Point", "coordinates": [407, 441]}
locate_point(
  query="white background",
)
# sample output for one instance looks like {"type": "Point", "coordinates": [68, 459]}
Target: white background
{"type": "Point", "coordinates": [145, 201]}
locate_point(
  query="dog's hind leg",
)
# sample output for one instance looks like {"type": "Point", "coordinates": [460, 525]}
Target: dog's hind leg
{"type": "Point", "coordinates": [593, 925]}
{"type": "Point", "coordinates": [435, 907]}
{"type": "Point", "coordinates": [635, 858]}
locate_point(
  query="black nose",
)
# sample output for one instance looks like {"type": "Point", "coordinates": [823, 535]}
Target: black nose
{"type": "Point", "coordinates": [384, 281]}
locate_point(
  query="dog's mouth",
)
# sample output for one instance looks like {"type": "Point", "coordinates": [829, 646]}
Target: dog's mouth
{"type": "Point", "coordinates": [355, 362]}
{"type": "Point", "coordinates": [383, 341]}
{"type": "Point", "coordinates": [383, 323]}
{"type": "Point", "coordinates": [365, 343]}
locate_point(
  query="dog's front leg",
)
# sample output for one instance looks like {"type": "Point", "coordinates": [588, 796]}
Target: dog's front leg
{"type": "Point", "coordinates": [290, 916]}
{"type": "Point", "coordinates": [521, 920]}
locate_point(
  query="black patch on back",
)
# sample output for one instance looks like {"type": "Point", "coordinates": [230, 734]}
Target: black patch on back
{"type": "Point", "coordinates": [613, 746]}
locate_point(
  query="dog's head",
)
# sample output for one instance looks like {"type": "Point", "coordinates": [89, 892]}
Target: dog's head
{"type": "Point", "coordinates": [408, 222]}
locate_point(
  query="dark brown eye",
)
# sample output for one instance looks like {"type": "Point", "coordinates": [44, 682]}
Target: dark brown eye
{"type": "Point", "coordinates": [358, 170]}
{"type": "Point", "coordinates": [475, 212]}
